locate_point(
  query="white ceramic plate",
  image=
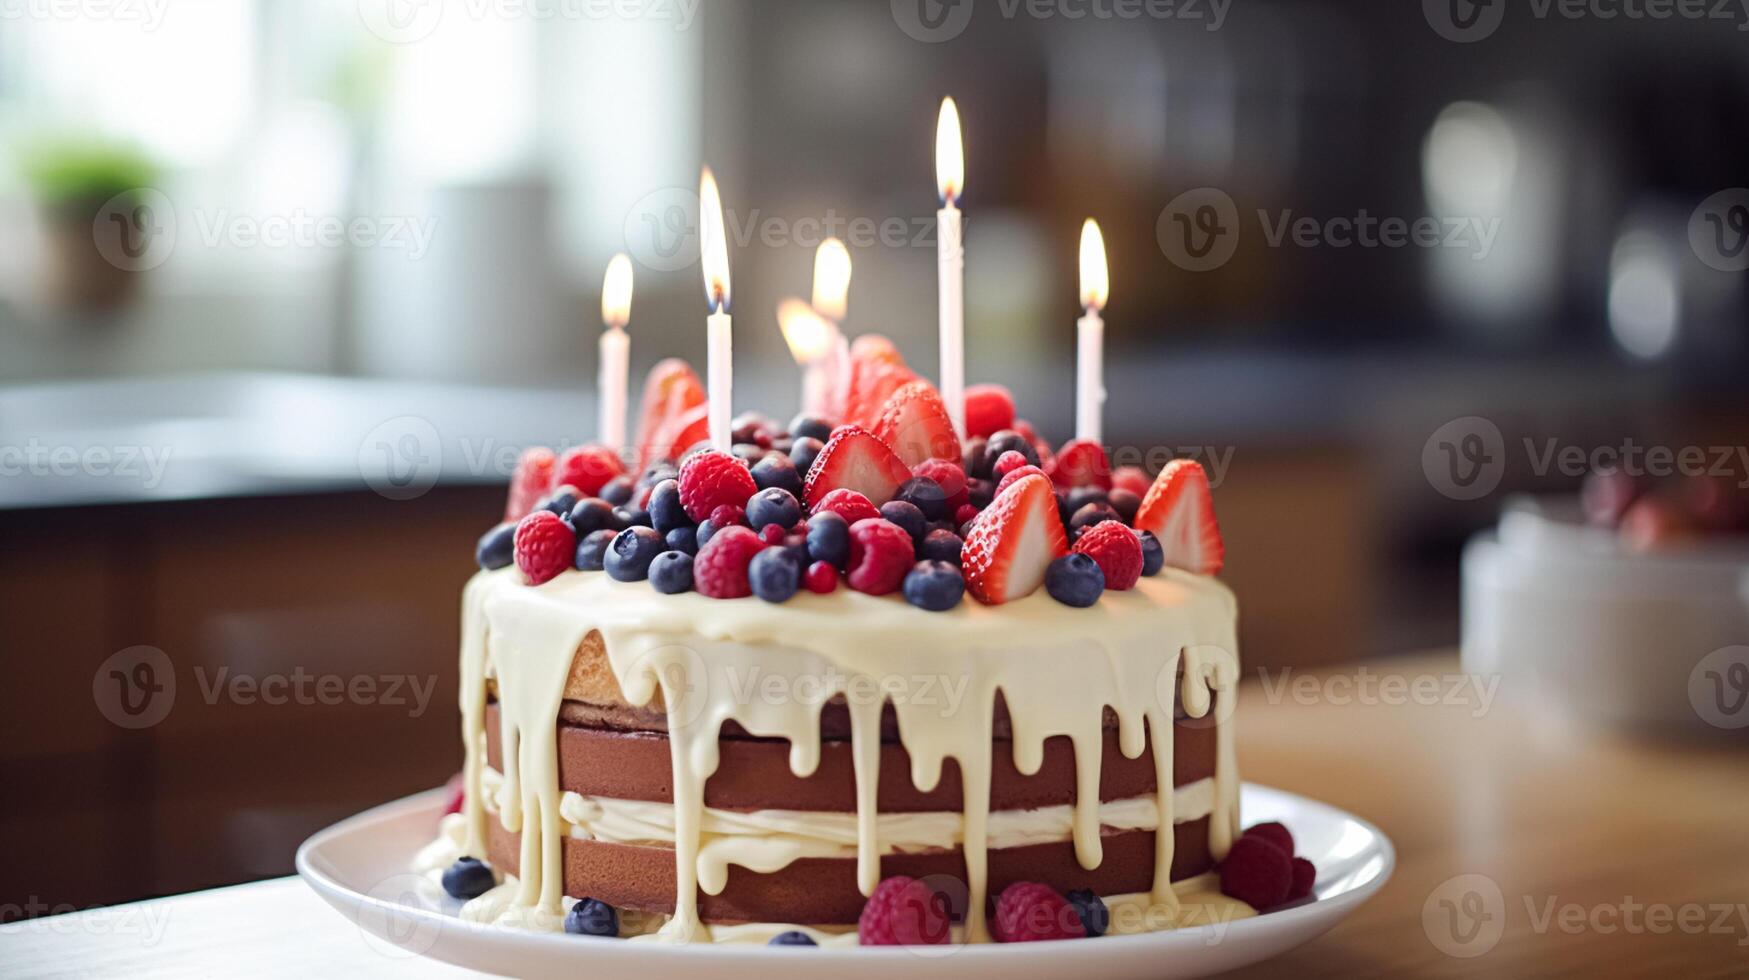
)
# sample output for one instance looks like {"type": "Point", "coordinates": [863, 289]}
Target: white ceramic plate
{"type": "Point", "coordinates": [358, 866]}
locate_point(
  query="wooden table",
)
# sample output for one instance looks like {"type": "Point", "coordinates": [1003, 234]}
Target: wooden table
{"type": "Point", "coordinates": [1586, 854]}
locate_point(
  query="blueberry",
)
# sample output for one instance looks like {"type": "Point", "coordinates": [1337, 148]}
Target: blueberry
{"type": "Point", "coordinates": [1126, 503]}
{"type": "Point", "coordinates": [1092, 514]}
{"type": "Point", "coordinates": [934, 585]}
{"type": "Point", "coordinates": [628, 557]}
{"type": "Point", "coordinates": [941, 545]}
{"type": "Point", "coordinates": [682, 539]}
{"type": "Point", "coordinates": [666, 514]}
{"type": "Point", "coordinates": [981, 492]}
{"type": "Point", "coordinates": [705, 529]}
{"type": "Point", "coordinates": [1009, 440]}
{"type": "Point", "coordinates": [592, 550]}
{"type": "Point", "coordinates": [977, 459]}
{"type": "Point", "coordinates": [797, 545]}
{"type": "Point", "coordinates": [773, 505]}
{"type": "Point", "coordinates": [592, 918]}
{"type": "Point", "coordinates": [748, 427]}
{"type": "Point", "coordinates": [656, 474]}
{"type": "Point", "coordinates": [703, 445]}
{"type": "Point", "coordinates": [1080, 497]}
{"type": "Point", "coordinates": [776, 472]}
{"type": "Point", "coordinates": [1153, 556]}
{"type": "Point", "coordinates": [829, 538]}
{"type": "Point", "coordinates": [497, 547]}
{"type": "Point", "coordinates": [592, 514]}
{"type": "Point", "coordinates": [1075, 580]}
{"type": "Point", "coordinates": [809, 427]}
{"type": "Point", "coordinates": [775, 574]}
{"type": "Point", "coordinates": [804, 452]}
{"type": "Point", "coordinates": [792, 938]}
{"type": "Point", "coordinates": [907, 516]}
{"type": "Point", "coordinates": [748, 452]}
{"type": "Point", "coordinates": [617, 490]}
{"type": "Point", "coordinates": [1094, 916]}
{"type": "Point", "coordinates": [561, 501]}
{"type": "Point", "coordinates": [926, 494]}
{"type": "Point", "coordinates": [630, 516]}
{"type": "Point", "coordinates": [468, 878]}
{"type": "Point", "coordinates": [671, 572]}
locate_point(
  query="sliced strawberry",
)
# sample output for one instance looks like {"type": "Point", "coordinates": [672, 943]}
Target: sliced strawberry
{"type": "Point", "coordinates": [989, 410]}
{"type": "Point", "coordinates": [680, 433]}
{"type": "Point", "coordinates": [532, 480]}
{"type": "Point", "coordinates": [1013, 542]}
{"type": "Point", "coordinates": [915, 424]}
{"type": "Point", "coordinates": [670, 390]}
{"type": "Point", "coordinates": [871, 384]}
{"type": "Point", "coordinates": [855, 460]}
{"type": "Point", "coordinates": [1080, 463]}
{"type": "Point", "coordinates": [876, 347]}
{"type": "Point", "coordinates": [588, 468]}
{"type": "Point", "coordinates": [1181, 513]}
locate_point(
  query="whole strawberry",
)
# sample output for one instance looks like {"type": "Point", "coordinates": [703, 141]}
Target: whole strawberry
{"type": "Point", "coordinates": [1117, 551]}
{"type": "Point", "coordinates": [545, 546]}
{"type": "Point", "coordinates": [720, 570]}
{"type": "Point", "coordinates": [1028, 912]}
{"type": "Point", "coordinates": [905, 912]}
{"type": "Point", "coordinates": [711, 479]}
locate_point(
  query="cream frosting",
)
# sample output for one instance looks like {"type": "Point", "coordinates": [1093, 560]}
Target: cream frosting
{"type": "Point", "coordinates": [1057, 668]}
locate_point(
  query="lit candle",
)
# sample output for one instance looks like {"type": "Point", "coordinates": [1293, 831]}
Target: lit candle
{"type": "Point", "coordinates": [809, 336]}
{"type": "Point", "coordinates": [950, 179]}
{"type": "Point", "coordinates": [1090, 346]}
{"type": "Point", "coordinates": [832, 302]}
{"type": "Point", "coordinates": [713, 246]}
{"type": "Point", "coordinates": [616, 310]}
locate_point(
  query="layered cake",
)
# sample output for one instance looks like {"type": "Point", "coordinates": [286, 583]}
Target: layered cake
{"type": "Point", "coordinates": [851, 681]}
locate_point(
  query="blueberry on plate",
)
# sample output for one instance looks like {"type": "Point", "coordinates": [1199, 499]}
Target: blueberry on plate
{"type": "Point", "coordinates": [773, 505]}
{"type": "Point", "coordinates": [941, 545]}
{"type": "Point", "coordinates": [908, 516]}
{"type": "Point", "coordinates": [774, 574]}
{"type": "Point", "coordinates": [829, 538]}
{"type": "Point", "coordinates": [468, 878]}
{"type": "Point", "coordinates": [592, 550]}
{"type": "Point", "coordinates": [592, 514]}
{"type": "Point", "coordinates": [776, 471]}
{"type": "Point", "coordinates": [684, 539]}
{"type": "Point", "coordinates": [1091, 911]}
{"type": "Point", "coordinates": [629, 555]}
{"type": "Point", "coordinates": [671, 572]}
{"type": "Point", "coordinates": [809, 427]}
{"type": "Point", "coordinates": [934, 585]}
{"type": "Point", "coordinates": [497, 547]}
{"type": "Point", "coordinates": [666, 514]}
{"type": "Point", "coordinates": [1075, 580]}
{"type": "Point", "coordinates": [804, 452]}
{"type": "Point", "coordinates": [792, 938]}
{"type": "Point", "coordinates": [590, 917]}
{"type": "Point", "coordinates": [1153, 556]}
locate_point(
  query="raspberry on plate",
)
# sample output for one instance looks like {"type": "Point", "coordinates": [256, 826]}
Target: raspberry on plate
{"type": "Point", "coordinates": [720, 570]}
{"type": "Point", "coordinates": [1274, 833]}
{"type": "Point", "coordinates": [1028, 912]}
{"type": "Point", "coordinates": [905, 912]}
{"type": "Point", "coordinates": [1257, 873]}
{"type": "Point", "coordinates": [881, 552]}
{"type": "Point", "coordinates": [545, 546]}
{"type": "Point", "coordinates": [711, 479]}
{"type": "Point", "coordinates": [1117, 551]}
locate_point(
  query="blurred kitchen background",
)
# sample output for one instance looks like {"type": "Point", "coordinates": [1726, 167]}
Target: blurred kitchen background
{"type": "Point", "coordinates": [284, 286]}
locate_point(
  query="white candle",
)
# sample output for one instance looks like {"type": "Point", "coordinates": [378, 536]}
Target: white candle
{"type": "Point", "coordinates": [832, 271]}
{"type": "Point", "coordinates": [616, 311]}
{"type": "Point", "coordinates": [809, 337]}
{"type": "Point", "coordinates": [950, 178]}
{"type": "Point", "coordinates": [1090, 336]}
{"type": "Point", "coordinates": [714, 250]}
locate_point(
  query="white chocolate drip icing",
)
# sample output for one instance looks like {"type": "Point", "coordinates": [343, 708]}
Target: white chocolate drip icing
{"type": "Point", "coordinates": [770, 670]}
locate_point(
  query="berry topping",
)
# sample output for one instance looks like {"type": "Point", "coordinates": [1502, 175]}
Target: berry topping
{"type": "Point", "coordinates": [671, 392]}
{"type": "Point", "coordinates": [530, 482]}
{"type": "Point", "coordinates": [666, 512]}
{"type": "Point", "coordinates": [683, 539]}
{"type": "Point", "coordinates": [1091, 910]}
{"type": "Point", "coordinates": [881, 552]}
{"type": "Point", "coordinates": [822, 577]}
{"type": "Point", "coordinates": [497, 547]}
{"type": "Point", "coordinates": [1097, 512]}
{"type": "Point", "coordinates": [908, 516]}
{"type": "Point", "coordinates": [829, 538]}
{"type": "Point", "coordinates": [591, 554]}
{"type": "Point", "coordinates": [934, 585]}
{"type": "Point", "coordinates": [720, 570]}
{"type": "Point", "coordinates": [560, 501]}
{"type": "Point", "coordinates": [966, 514]}
{"type": "Point", "coordinates": [1015, 474]}
{"type": "Point", "coordinates": [458, 795]}
{"type": "Point", "coordinates": [1116, 550]}
{"type": "Point", "coordinates": [809, 427]}
{"type": "Point", "coordinates": [1028, 912]}
{"type": "Point", "coordinates": [1010, 461]}
{"type": "Point", "coordinates": [989, 410]}
{"type": "Point", "coordinates": [949, 475]}
{"type": "Point", "coordinates": [772, 534]}
{"type": "Point", "coordinates": [1131, 478]}
{"type": "Point", "coordinates": [941, 545]}
{"type": "Point", "coordinates": [774, 575]}
{"type": "Point", "coordinates": [872, 383]}
{"type": "Point", "coordinates": [701, 535]}
{"type": "Point", "coordinates": [590, 917]}
{"type": "Point", "coordinates": [855, 460]}
{"type": "Point", "coordinates": [792, 938]}
{"type": "Point", "coordinates": [671, 572]}
{"type": "Point", "coordinates": [1276, 834]}
{"type": "Point", "coordinates": [915, 424]}
{"type": "Point", "coordinates": [618, 491]}
{"type": "Point", "coordinates": [544, 546]}
{"type": "Point", "coordinates": [1125, 503]}
{"type": "Point", "coordinates": [848, 504]}
{"type": "Point", "coordinates": [1179, 511]}
{"type": "Point", "coordinates": [1153, 558]}
{"type": "Point", "coordinates": [1013, 542]}
{"type": "Point", "coordinates": [1305, 878]}
{"type": "Point", "coordinates": [926, 495]}
{"type": "Point", "coordinates": [728, 515]}
{"type": "Point", "coordinates": [904, 912]}
{"type": "Point", "coordinates": [1075, 580]}
{"type": "Point", "coordinates": [588, 468]}
{"type": "Point", "coordinates": [628, 558]}
{"type": "Point", "coordinates": [1081, 463]}
{"type": "Point", "coordinates": [592, 514]}
{"type": "Point", "coordinates": [775, 471]}
{"type": "Point", "coordinates": [1009, 440]}
{"type": "Point", "coordinates": [713, 479]}
{"type": "Point", "coordinates": [630, 516]}
{"type": "Point", "coordinates": [468, 878]}
{"type": "Point", "coordinates": [804, 452]}
{"type": "Point", "coordinates": [774, 505]}
{"type": "Point", "coordinates": [1257, 873]}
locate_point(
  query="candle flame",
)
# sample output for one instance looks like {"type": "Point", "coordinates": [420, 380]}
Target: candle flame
{"type": "Point", "coordinates": [616, 292]}
{"type": "Point", "coordinates": [713, 243]}
{"type": "Point", "coordinates": [805, 330]}
{"type": "Point", "coordinates": [832, 279]}
{"type": "Point", "coordinates": [950, 154]}
{"type": "Point", "coordinates": [1095, 278]}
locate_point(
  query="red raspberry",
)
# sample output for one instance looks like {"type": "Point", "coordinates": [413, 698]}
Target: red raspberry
{"type": "Point", "coordinates": [544, 545]}
{"type": "Point", "coordinates": [881, 552]}
{"type": "Point", "coordinates": [1305, 876]}
{"type": "Point", "coordinates": [531, 481]}
{"type": "Point", "coordinates": [966, 513]}
{"type": "Point", "coordinates": [1257, 873]}
{"type": "Point", "coordinates": [1014, 475]}
{"type": "Point", "coordinates": [1118, 553]}
{"type": "Point", "coordinates": [989, 410]}
{"type": "Point", "coordinates": [951, 477]}
{"type": "Point", "coordinates": [848, 504]}
{"type": "Point", "coordinates": [904, 912]}
{"type": "Point", "coordinates": [720, 570]}
{"type": "Point", "coordinates": [1272, 832]}
{"type": "Point", "coordinates": [713, 478]}
{"type": "Point", "coordinates": [822, 578]}
{"type": "Point", "coordinates": [1008, 462]}
{"type": "Point", "coordinates": [1029, 912]}
{"type": "Point", "coordinates": [1131, 478]}
{"type": "Point", "coordinates": [588, 468]}
{"type": "Point", "coordinates": [728, 515]}
{"type": "Point", "coordinates": [771, 534]}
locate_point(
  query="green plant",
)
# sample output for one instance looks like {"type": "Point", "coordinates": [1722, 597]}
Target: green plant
{"type": "Point", "coordinates": [68, 169]}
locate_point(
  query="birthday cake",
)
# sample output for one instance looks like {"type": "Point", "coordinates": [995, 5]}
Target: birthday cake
{"type": "Point", "coordinates": [852, 680]}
